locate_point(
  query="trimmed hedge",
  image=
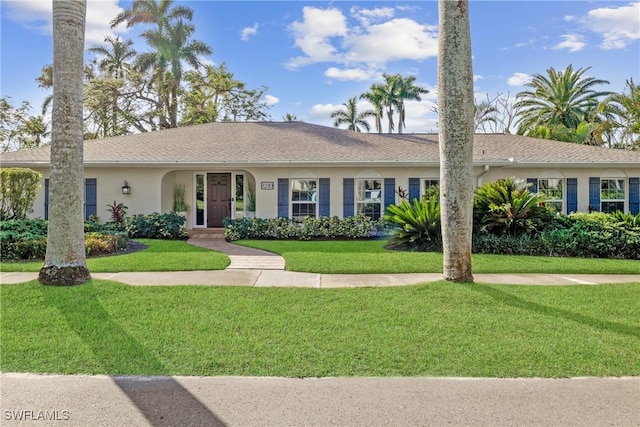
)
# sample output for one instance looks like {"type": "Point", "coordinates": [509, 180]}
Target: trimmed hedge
{"type": "Point", "coordinates": [355, 227]}
{"type": "Point", "coordinates": [156, 226]}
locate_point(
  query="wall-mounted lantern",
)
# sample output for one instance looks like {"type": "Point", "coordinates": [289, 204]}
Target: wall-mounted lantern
{"type": "Point", "coordinates": [125, 188]}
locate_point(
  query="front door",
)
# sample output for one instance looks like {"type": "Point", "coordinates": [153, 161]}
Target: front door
{"type": "Point", "coordinates": [218, 198]}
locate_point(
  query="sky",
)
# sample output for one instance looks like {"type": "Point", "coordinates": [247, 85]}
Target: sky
{"type": "Point", "coordinates": [315, 55]}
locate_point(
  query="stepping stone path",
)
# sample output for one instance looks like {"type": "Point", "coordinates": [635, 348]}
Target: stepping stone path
{"type": "Point", "coordinates": [242, 258]}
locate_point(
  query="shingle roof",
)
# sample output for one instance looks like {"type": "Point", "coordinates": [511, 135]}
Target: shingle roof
{"type": "Point", "coordinates": [277, 143]}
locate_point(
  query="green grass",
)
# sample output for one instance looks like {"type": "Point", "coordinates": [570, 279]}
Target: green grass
{"type": "Point", "coordinates": [437, 329]}
{"type": "Point", "coordinates": [370, 256]}
{"type": "Point", "coordinates": [161, 255]}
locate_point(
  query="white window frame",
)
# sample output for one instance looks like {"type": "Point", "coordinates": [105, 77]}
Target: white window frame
{"type": "Point", "coordinates": [611, 200]}
{"type": "Point", "coordinates": [553, 201]}
{"type": "Point", "coordinates": [296, 186]}
{"type": "Point", "coordinates": [426, 184]}
{"type": "Point", "coordinates": [369, 196]}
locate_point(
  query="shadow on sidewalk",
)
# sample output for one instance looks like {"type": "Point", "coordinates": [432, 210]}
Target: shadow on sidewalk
{"type": "Point", "coordinates": [162, 400]}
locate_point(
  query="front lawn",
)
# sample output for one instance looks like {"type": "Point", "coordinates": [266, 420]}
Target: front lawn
{"type": "Point", "coordinates": [437, 329]}
{"type": "Point", "coordinates": [370, 256]}
{"type": "Point", "coordinates": [161, 255]}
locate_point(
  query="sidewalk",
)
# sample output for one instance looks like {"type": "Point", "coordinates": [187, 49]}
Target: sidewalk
{"type": "Point", "coordinates": [279, 278]}
{"type": "Point", "coordinates": [81, 400]}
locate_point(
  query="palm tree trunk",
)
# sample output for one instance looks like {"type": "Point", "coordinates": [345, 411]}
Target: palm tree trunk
{"type": "Point", "coordinates": [65, 261]}
{"type": "Point", "coordinates": [455, 100]}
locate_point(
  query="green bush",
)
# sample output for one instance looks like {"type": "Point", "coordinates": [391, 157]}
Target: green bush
{"type": "Point", "coordinates": [156, 226]}
{"type": "Point", "coordinates": [104, 244]}
{"type": "Point", "coordinates": [355, 227]}
{"type": "Point", "coordinates": [506, 206]}
{"type": "Point", "coordinates": [27, 239]}
{"type": "Point", "coordinates": [18, 190]}
{"type": "Point", "coordinates": [418, 222]}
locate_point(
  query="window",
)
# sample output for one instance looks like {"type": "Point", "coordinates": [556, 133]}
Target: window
{"type": "Point", "coordinates": [304, 199]}
{"type": "Point", "coordinates": [239, 196]}
{"type": "Point", "coordinates": [552, 189]}
{"type": "Point", "coordinates": [200, 203]}
{"type": "Point", "coordinates": [369, 198]}
{"type": "Point", "coordinates": [612, 194]}
{"type": "Point", "coordinates": [430, 187]}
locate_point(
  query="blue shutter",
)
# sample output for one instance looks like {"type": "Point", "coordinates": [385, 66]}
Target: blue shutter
{"type": "Point", "coordinates": [324, 197]}
{"type": "Point", "coordinates": [414, 189]}
{"type": "Point", "coordinates": [90, 197]}
{"type": "Point", "coordinates": [594, 194]}
{"type": "Point", "coordinates": [572, 195]}
{"type": "Point", "coordinates": [634, 195]}
{"type": "Point", "coordinates": [46, 198]}
{"type": "Point", "coordinates": [348, 195]}
{"type": "Point", "coordinates": [389, 192]}
{"type": "Point", "coordinates": [534, 184]}
{"type": "Point", "coordinates": [283, 197]}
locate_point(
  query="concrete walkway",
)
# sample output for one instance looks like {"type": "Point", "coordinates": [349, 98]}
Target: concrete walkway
{"type": "Point", "coordinates": [258, 268]}
{"type": "Point", "coordinates": [27, 399]}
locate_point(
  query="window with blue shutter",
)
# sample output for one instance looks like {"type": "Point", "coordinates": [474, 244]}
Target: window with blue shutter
{"type": "Point", "coordinates": [324, 197]}
{"type": "Point", "coordinates": [634, 195]}
{"type": "Point", "coordinates": [46, 198]}
{"type": "Point", "coordinates": [533, 184]}
{"type": "Point", "coordinates": [348, 197]}
{"type": "Point", "coordinates": [283, 197]}
{"type": "Point", "coordinates": [414, 189]}
{"type": "Point", "coordinates": [594, 194]}
{"type": "Point", "coordinates": [572, 195]}
{"type": "Point", "coordinates": [389, 192]}
{"type": "Point", "coordinates": [90, 198]}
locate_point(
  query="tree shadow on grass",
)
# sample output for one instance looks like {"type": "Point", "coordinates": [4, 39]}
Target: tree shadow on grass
{"type": "Point", "coordinates": [162, 400]}
{"type": "Point", "coordinates": [517, 302]}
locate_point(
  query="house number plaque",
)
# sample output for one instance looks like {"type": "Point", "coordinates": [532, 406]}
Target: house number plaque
{"type": "Point", "coordinates": [266, 185]}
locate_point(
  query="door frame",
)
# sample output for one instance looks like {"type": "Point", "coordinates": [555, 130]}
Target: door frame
{"type": "Point", "coordinates": [233, 174]}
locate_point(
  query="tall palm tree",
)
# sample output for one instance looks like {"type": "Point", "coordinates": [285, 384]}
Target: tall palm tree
{"type": "Point", "coordinates": [622, 111]}
{"type": "Point", "coordinates": [456, 104]}
{"type": "Point", "coordinates": [351, 117]}
{"type": "Point", "coordinates": [376, 97]}
{"type": "Point", "coordinates": [114, 57]}
{"type": "Point", "coordinates": [171, 40]}
{"type": "Point", "coordinates": [406, 90]}
{"type": "Point", "coordinates": [561, 97]}
{"type": "Point", "coordinates": [65, 260]}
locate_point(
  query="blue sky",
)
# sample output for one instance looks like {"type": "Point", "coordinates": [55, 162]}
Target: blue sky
{"type": "Point", "coordinates": [314, 55]}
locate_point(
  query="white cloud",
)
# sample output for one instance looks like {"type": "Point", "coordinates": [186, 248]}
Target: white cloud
{"type": "Point", "coordinates": [571, 42]}
{"type": "Point", "coordinates": [247, 32]}
{"type": "Point", "coordinates": [36, 16]}
{"type": "Point", "coordinates": [348, 74]}
{"type": "Point", "coordinates": [367, 16]}
{"type": "Point", "coordinates": [271, 100]}
{"type": "Point", "coordinates": [519, 79]}
{"type": "Point", "coordinates": [477, 77]}
{"type": "Point", "coordinates": [396, 39]}
{"type": "Point", "coordinates": [313, 35]}
{"type": "Point", "coordinates": [324, 35]}
{"type": "Point", "coordinates": [618, 26]}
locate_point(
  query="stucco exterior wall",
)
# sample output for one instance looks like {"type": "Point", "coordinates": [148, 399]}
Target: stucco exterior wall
{"type": "Point", "coordinates": [152, 189]}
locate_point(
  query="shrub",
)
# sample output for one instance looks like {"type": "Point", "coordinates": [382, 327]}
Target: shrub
{"type": "Point", "coordinates": [311, 228]}
{"type": "Point", "coordinates": [104, 244]}
{"type": "Point", "coordinates": [18, 190]}
{"type": "Point", "coordinates": [27, 240]}
{"type": "Point", "coordinates": [418, 222]}
{"type": "Point", "coordinates": [506, 206]}
{"type": "Point", "coordinates": [156, 226]}
{"type": "Point", "coordinates": [118, 213]}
